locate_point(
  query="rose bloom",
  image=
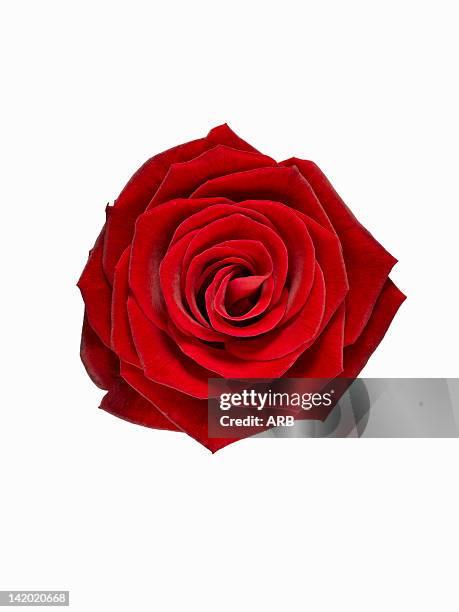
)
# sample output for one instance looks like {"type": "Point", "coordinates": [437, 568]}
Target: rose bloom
{"type": "Point", "coordinates": [217, 261]}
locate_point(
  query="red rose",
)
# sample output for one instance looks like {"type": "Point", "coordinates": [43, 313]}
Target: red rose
{"type": "Point", "coordinates": [217, 261]}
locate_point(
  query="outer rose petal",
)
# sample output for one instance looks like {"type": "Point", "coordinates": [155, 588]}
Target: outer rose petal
{"type": "Point", "coordinates": [96, 292]}
{"type": "Point", "coordinates": [187, 413]}
{"type": "Point", "coordinates": [134, 199]}
{"type": "Point", "coordinates": [279, 184]}
{"type": "Point", "coordinates": [228, 366]}
{"type": "Point", "coordinates": [183, 178]}
{"type": "Point", "coordinates": [124, 402]}
{"type": "Point", "coordinates": [140, 189]}
{"type": "Point", "coordinates": [122, 341]}
{"type": "Point", "coordinates": [356, 355]}
{"type": "Point", "coordinates": [223, 134]}
{"type": "Point", "coordinates": [100, 362]}
{"type": "Point", "coordinates": [324, 359]}
{"type": "Point", "coordinates": [367, 263]}
{"type": "Point", "coordinates": [162, 360]}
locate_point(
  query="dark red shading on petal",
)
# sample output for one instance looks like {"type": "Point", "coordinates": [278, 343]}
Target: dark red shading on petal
{"type": "Point", "coordinates": [170, 278]}
{"type": "Point", "coordinates": [279, 184]}
{"type": "Point", "coordinates": [196, 238]}
{"type": "Point", "coordinates": [239, 225]}
{"type": "Point", "coordinates": [200, 233]}
{"type": "Point", "coordinates": [324, 359]}
{"type": "Point", "coordinates": [96, 292]}
{"type": "Point", "coordinates": [154, 230]}
{"type": "Point", "coordinates": [248, 253]}
{"type": "Point", "coordinates": [298, 333]}
{"type": "Point", "coordinates": [183, 178]}
{"type": "Point", "coordinates": [122, 341]}
{"type": "Point", "coordinates": [162, 360]}
{"type": "Point", "coordinates": [228, 366]}
{"type": "Point", "coordinates": [123, 401]}
{"type": "Point", "coordinates": [356, 355]}
{"type": "Point", "coordinates": [339, 214]}
{"type": "Point", "coordinates": [367, 262]}
{"type": "Point", "coordinates": [240, 294]}
{"type": "Point", "coordinates": [265, 323]}
{"type": "Point", "coordinates": [187, 413]}
{"type": "Point", "coordinates": [299, 245]}
{"type": "Point", "coordinates": [100, 362]}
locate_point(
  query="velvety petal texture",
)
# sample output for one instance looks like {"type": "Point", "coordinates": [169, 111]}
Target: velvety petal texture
{"type": "Point", "coordinates": [217, 261]}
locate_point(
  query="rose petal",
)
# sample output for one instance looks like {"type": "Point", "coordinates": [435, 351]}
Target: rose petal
{"type": "Point", "coordinates": [255, 291]}
{"type": "Point", "coordinates": [183, 178]}
{"type": "Point", "coordinates": [300, 249]}
{"type": "Point", "coordinates": [324, 359]}
{"type": "Point", "coordinates": [245, 228]}
{"type": "Point", "coordinates": [328, 253]}
{"type": "Point", "coordinates": [162, 361]}
{"type": "Point", "coordinates": [96, 292]}
{"type": "Point", "coordinates": [296, 334]}
{"type": "Point", "coordinates": [124, 402]}
{"type": "Point", "coordinates": [154, 230]}
{"type": "Point", "coordinates": [121, 338]}
{"type": "Point", "coordinates": [202, 218]}
{"type": "Point", "coordinates": [223, 134]}
{"type": "Point", "coordinates": [171, 273]}
{"type": "Point", "coordinates": [280, 184]}
{"type": "Point", "coordinates": [356, 355]}
{"type": "Point", "coordinates": [140, 189]}
{"type": "Point", "coordinates": [267, 321]}
{"type": "Point", "coordinates": [228, 366]}
{"type": "Point", "coordinates": [367, 263]}
{"type": "Point", "coordinates": [187, 413]}
{"type": "Point", "coordinates": [135, 197]}
{"type": "Point", "coordinates": [255, 259]}
{"type": "Point", "coordinates": [100, 362]}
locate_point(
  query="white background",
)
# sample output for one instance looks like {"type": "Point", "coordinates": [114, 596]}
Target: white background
{"type": "Point", "coordinates": [133, 519]}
